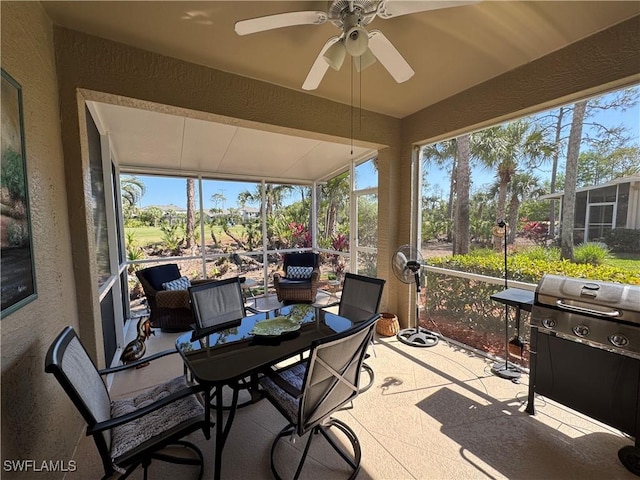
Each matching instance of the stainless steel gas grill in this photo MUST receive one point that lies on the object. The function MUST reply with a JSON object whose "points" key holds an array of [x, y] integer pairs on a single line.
{"points": [[585, 352]]}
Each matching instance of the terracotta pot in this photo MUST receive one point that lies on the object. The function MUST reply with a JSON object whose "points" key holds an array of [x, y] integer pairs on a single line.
{"points": [[387, 325]]}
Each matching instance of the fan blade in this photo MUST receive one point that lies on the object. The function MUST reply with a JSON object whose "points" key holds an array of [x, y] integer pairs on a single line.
{"points": [[319, 67], [270, 22], [395, 8], [401, 266], [389, 57]]}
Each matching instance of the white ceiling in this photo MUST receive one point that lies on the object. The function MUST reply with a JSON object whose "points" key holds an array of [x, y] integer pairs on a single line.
{"points": [[450, 49], [149, 141]]}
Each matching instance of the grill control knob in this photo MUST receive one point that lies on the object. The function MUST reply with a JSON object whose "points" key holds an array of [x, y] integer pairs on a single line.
{"points": [[619, 340], [581, 330], [548, 322]]}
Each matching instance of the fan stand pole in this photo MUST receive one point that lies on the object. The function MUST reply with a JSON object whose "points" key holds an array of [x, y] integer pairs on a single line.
{"points": [[506, 370], [417, 337]]}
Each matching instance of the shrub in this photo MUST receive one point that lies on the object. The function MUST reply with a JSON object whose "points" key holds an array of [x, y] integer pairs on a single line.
{"points": [[535, 231], [465, 303], [525, 269], [593, 253], [623, 240], [542, 254], [300, 235], [171, 236]]}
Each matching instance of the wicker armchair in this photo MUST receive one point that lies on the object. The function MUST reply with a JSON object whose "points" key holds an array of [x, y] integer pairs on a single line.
{"points": [[170, 309], [292, 288]]}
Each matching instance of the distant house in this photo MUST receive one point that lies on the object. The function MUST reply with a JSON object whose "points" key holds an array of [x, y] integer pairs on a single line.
{"points": [[249, 213], [600, 208]]}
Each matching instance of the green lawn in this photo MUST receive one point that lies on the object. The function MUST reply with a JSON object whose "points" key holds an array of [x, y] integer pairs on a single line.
{"points": [[144, 236], [627, 261]]}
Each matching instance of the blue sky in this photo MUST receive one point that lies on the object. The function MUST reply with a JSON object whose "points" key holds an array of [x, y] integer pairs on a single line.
{"points": [[166, 191], [438, 180]]}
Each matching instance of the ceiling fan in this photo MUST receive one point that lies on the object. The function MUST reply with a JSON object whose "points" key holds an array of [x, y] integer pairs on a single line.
{"points": [[351, 17]]}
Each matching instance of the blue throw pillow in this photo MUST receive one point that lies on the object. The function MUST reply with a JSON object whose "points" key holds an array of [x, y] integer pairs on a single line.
{"points": [[181, 283], [299, 273]]}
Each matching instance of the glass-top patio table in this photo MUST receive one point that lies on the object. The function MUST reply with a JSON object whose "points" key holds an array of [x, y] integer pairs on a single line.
{"points": [[245, 348]]}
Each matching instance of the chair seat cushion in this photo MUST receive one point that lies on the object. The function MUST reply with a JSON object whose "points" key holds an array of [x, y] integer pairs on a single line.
{"points": [[294, 283], [130, 435], [293, 376]]}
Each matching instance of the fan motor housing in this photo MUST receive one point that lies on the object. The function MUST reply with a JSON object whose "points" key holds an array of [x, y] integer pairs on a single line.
{"points": [[364, 11]]}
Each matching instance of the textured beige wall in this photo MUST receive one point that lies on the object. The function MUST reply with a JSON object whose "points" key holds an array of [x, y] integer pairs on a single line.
{"points": [[38, 420]]}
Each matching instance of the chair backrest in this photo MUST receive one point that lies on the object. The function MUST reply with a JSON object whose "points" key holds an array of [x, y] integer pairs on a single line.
{"points": [[360, 297], [156, 276], [333, 374], [305, 259], [70, 363], [217, 304]]}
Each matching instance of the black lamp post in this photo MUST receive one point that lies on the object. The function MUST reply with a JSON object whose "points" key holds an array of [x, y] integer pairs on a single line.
{"points": [[506, 370]]}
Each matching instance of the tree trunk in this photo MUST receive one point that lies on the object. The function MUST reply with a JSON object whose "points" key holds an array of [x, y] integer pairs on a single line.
{"points": [[213, 237], [554, 170], [238, 241], [452, 191], [514, 206], [463, 174], [571, 170], [500, 210], [191, 209]]}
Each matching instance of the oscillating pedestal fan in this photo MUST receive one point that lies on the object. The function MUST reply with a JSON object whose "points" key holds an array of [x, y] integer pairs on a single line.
{"points": [[406, 262]]}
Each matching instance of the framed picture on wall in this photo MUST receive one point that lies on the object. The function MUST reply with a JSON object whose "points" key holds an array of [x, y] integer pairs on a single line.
{"points": [[18, 282]]}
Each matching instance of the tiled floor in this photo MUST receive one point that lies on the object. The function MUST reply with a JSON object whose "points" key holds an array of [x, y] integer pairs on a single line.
{"points": [[433, 413]]}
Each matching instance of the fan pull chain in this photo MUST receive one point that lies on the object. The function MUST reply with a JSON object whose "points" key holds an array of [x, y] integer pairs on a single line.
{"points": [[351, 106], [360, 101]]}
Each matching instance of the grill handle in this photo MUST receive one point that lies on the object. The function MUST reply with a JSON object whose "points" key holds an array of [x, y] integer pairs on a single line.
{"points": [[565, 306]]}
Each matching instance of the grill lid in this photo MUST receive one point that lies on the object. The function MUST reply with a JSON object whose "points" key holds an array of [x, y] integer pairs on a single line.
{"points": [[615, 301]]}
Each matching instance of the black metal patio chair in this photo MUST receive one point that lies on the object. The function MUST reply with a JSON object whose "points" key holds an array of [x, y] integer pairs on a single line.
{"points": [[128, 432], [359, 301], [308, 392]]}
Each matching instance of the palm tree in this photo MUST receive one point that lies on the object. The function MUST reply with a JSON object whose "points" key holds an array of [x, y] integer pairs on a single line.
{"points": [[218, 200], [336, 195], [571, 174], [507, 148], [274, 195], [132, 189], [191, 208], [462, 182], [443, 154]]}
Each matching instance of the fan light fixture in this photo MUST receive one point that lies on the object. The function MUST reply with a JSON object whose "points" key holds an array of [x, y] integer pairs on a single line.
{"points": [[356, 41], [351, 16], [335, 54], [365, 60]]}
